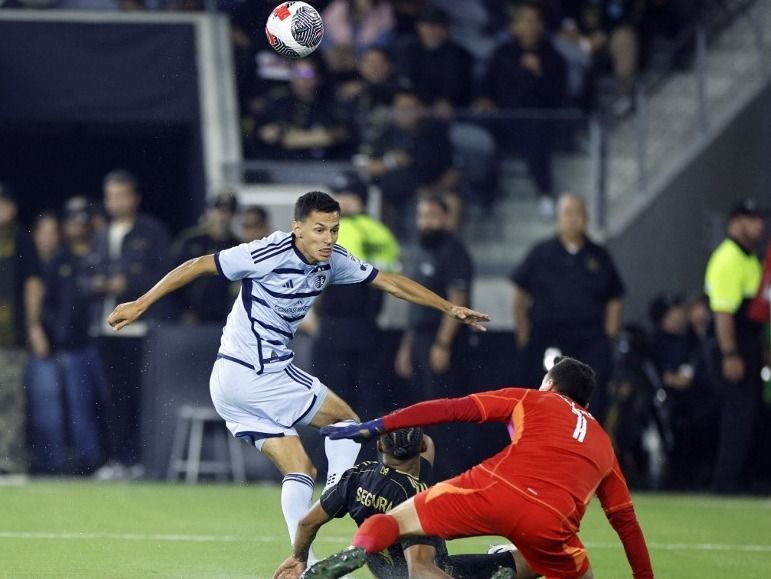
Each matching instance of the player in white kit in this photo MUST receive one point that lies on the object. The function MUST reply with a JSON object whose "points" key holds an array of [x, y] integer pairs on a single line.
{"points": [[255, 387]]}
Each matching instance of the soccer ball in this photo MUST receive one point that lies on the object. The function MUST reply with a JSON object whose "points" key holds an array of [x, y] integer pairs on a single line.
{"points": [[294, 29]]}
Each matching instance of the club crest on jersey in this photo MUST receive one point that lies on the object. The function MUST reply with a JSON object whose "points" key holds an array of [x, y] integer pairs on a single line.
{"points": [[320, 281]]}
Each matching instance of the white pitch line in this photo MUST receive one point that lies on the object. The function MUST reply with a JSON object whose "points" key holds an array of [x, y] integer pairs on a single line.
{"points": [[333, 539], [688, 547]]}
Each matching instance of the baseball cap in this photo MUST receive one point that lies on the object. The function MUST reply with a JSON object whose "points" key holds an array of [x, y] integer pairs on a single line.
{"points": [[77, 209], [349, 182], [662, 303], [224, 200], [434, 15], [748, 208]]}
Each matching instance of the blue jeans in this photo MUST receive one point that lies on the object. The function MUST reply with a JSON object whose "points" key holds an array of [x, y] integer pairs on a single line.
{"points": [[47, 433], [84, 386], [63, 394]]}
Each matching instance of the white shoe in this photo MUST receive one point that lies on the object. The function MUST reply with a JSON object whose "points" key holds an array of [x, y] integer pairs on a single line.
{"points": [[502, 548]]}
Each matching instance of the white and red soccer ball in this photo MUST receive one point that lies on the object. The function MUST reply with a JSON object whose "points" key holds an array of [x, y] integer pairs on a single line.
{"points": [[294, 29]]}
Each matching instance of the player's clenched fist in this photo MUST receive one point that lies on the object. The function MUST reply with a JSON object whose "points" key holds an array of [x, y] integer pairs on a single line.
{"points": [[124, 314]]}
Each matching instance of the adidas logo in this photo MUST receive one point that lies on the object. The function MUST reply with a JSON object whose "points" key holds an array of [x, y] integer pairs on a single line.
{"points": [[288, 284]]}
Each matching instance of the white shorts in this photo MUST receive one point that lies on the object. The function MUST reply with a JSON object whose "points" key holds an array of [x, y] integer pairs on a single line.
{"points": [[259, 406]]}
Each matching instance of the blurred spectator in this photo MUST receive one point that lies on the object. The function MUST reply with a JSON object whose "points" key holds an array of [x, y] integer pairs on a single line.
{"points": [[307, 123], [255, 224], [47, 236], [259, 69], [405, 14], [568, 296], [607, 28], [370, 94], [350, 312], [412, 157], [66, 317], [433, 351], [21, 297], [760, 307], [46, 429], [689, 397], [207, 300], [732, 279], [670, 345], [471, 24], [352, 26], [526, 73], [438, 67], [126, 259]]}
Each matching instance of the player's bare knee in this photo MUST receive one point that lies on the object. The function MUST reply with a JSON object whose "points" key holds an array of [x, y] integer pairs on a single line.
{"points": [[334, 409]]}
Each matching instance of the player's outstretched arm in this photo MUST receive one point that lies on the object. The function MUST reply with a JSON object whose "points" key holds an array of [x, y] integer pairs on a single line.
{"points": [[426, 413], [129, 312], [613, 493], [310, 524], [409, 290]]}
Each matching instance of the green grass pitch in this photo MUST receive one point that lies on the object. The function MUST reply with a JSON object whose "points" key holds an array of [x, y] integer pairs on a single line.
{"points": [[84, 529]]}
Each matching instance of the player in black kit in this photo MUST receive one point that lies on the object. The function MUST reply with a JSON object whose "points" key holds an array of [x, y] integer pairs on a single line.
{"points": [[372, 487]]}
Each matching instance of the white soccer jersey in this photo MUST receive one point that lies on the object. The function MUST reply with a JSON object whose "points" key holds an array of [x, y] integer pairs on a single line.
{"points": [[278, 287]]}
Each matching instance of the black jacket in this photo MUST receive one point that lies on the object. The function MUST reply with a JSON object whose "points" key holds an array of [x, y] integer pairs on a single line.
{"points": [[143, 260], [510, 85]]}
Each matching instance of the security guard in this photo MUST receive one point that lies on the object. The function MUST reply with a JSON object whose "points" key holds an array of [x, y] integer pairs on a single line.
{"points": [[433, 342], [349, 361], [732, 279], [568, 296]]}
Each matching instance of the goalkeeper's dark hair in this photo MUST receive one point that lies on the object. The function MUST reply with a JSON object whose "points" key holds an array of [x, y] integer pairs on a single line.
{"points": [[314, 201], [574, 379], [404, 443]]}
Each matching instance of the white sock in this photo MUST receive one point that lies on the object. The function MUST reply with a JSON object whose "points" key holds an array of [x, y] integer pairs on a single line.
{"points": [[296, 496], [341, 455]]}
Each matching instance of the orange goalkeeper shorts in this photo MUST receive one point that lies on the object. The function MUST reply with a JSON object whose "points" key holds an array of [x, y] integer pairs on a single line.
{"points": [[474, 504]]}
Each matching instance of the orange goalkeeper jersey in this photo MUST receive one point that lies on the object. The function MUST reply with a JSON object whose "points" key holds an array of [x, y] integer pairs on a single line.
{"points": [[559, 454]]}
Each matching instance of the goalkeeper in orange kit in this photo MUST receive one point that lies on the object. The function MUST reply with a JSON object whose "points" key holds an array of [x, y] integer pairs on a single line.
{"points": [[534, 492]]}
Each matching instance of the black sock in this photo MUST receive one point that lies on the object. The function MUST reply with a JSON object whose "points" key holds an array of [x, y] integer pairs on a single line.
{"points": [[479, 566]]}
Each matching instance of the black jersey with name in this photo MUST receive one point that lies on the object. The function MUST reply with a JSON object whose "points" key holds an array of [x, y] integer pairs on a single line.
{"points": [[370, 488]]}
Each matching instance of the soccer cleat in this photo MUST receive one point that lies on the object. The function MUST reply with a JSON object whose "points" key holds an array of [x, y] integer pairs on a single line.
{"points": [[502, 548], [338, 564], [504, 573]]}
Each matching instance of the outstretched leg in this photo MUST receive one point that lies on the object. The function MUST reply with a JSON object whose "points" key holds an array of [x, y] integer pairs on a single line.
{"points": [[341, 454], [290, 458]]}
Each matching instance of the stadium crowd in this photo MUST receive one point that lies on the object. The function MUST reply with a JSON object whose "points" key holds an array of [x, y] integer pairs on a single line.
{"points": [[494, 78], [66, 374]]}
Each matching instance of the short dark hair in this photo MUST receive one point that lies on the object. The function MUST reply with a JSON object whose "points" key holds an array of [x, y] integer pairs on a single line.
{"points": [[404, 443], [574, 379], [314, 201], [258, 211], [121, 176]]}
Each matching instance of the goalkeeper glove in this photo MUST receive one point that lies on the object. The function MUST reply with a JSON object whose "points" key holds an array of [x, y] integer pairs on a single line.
{"points": [[356, 431]]}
